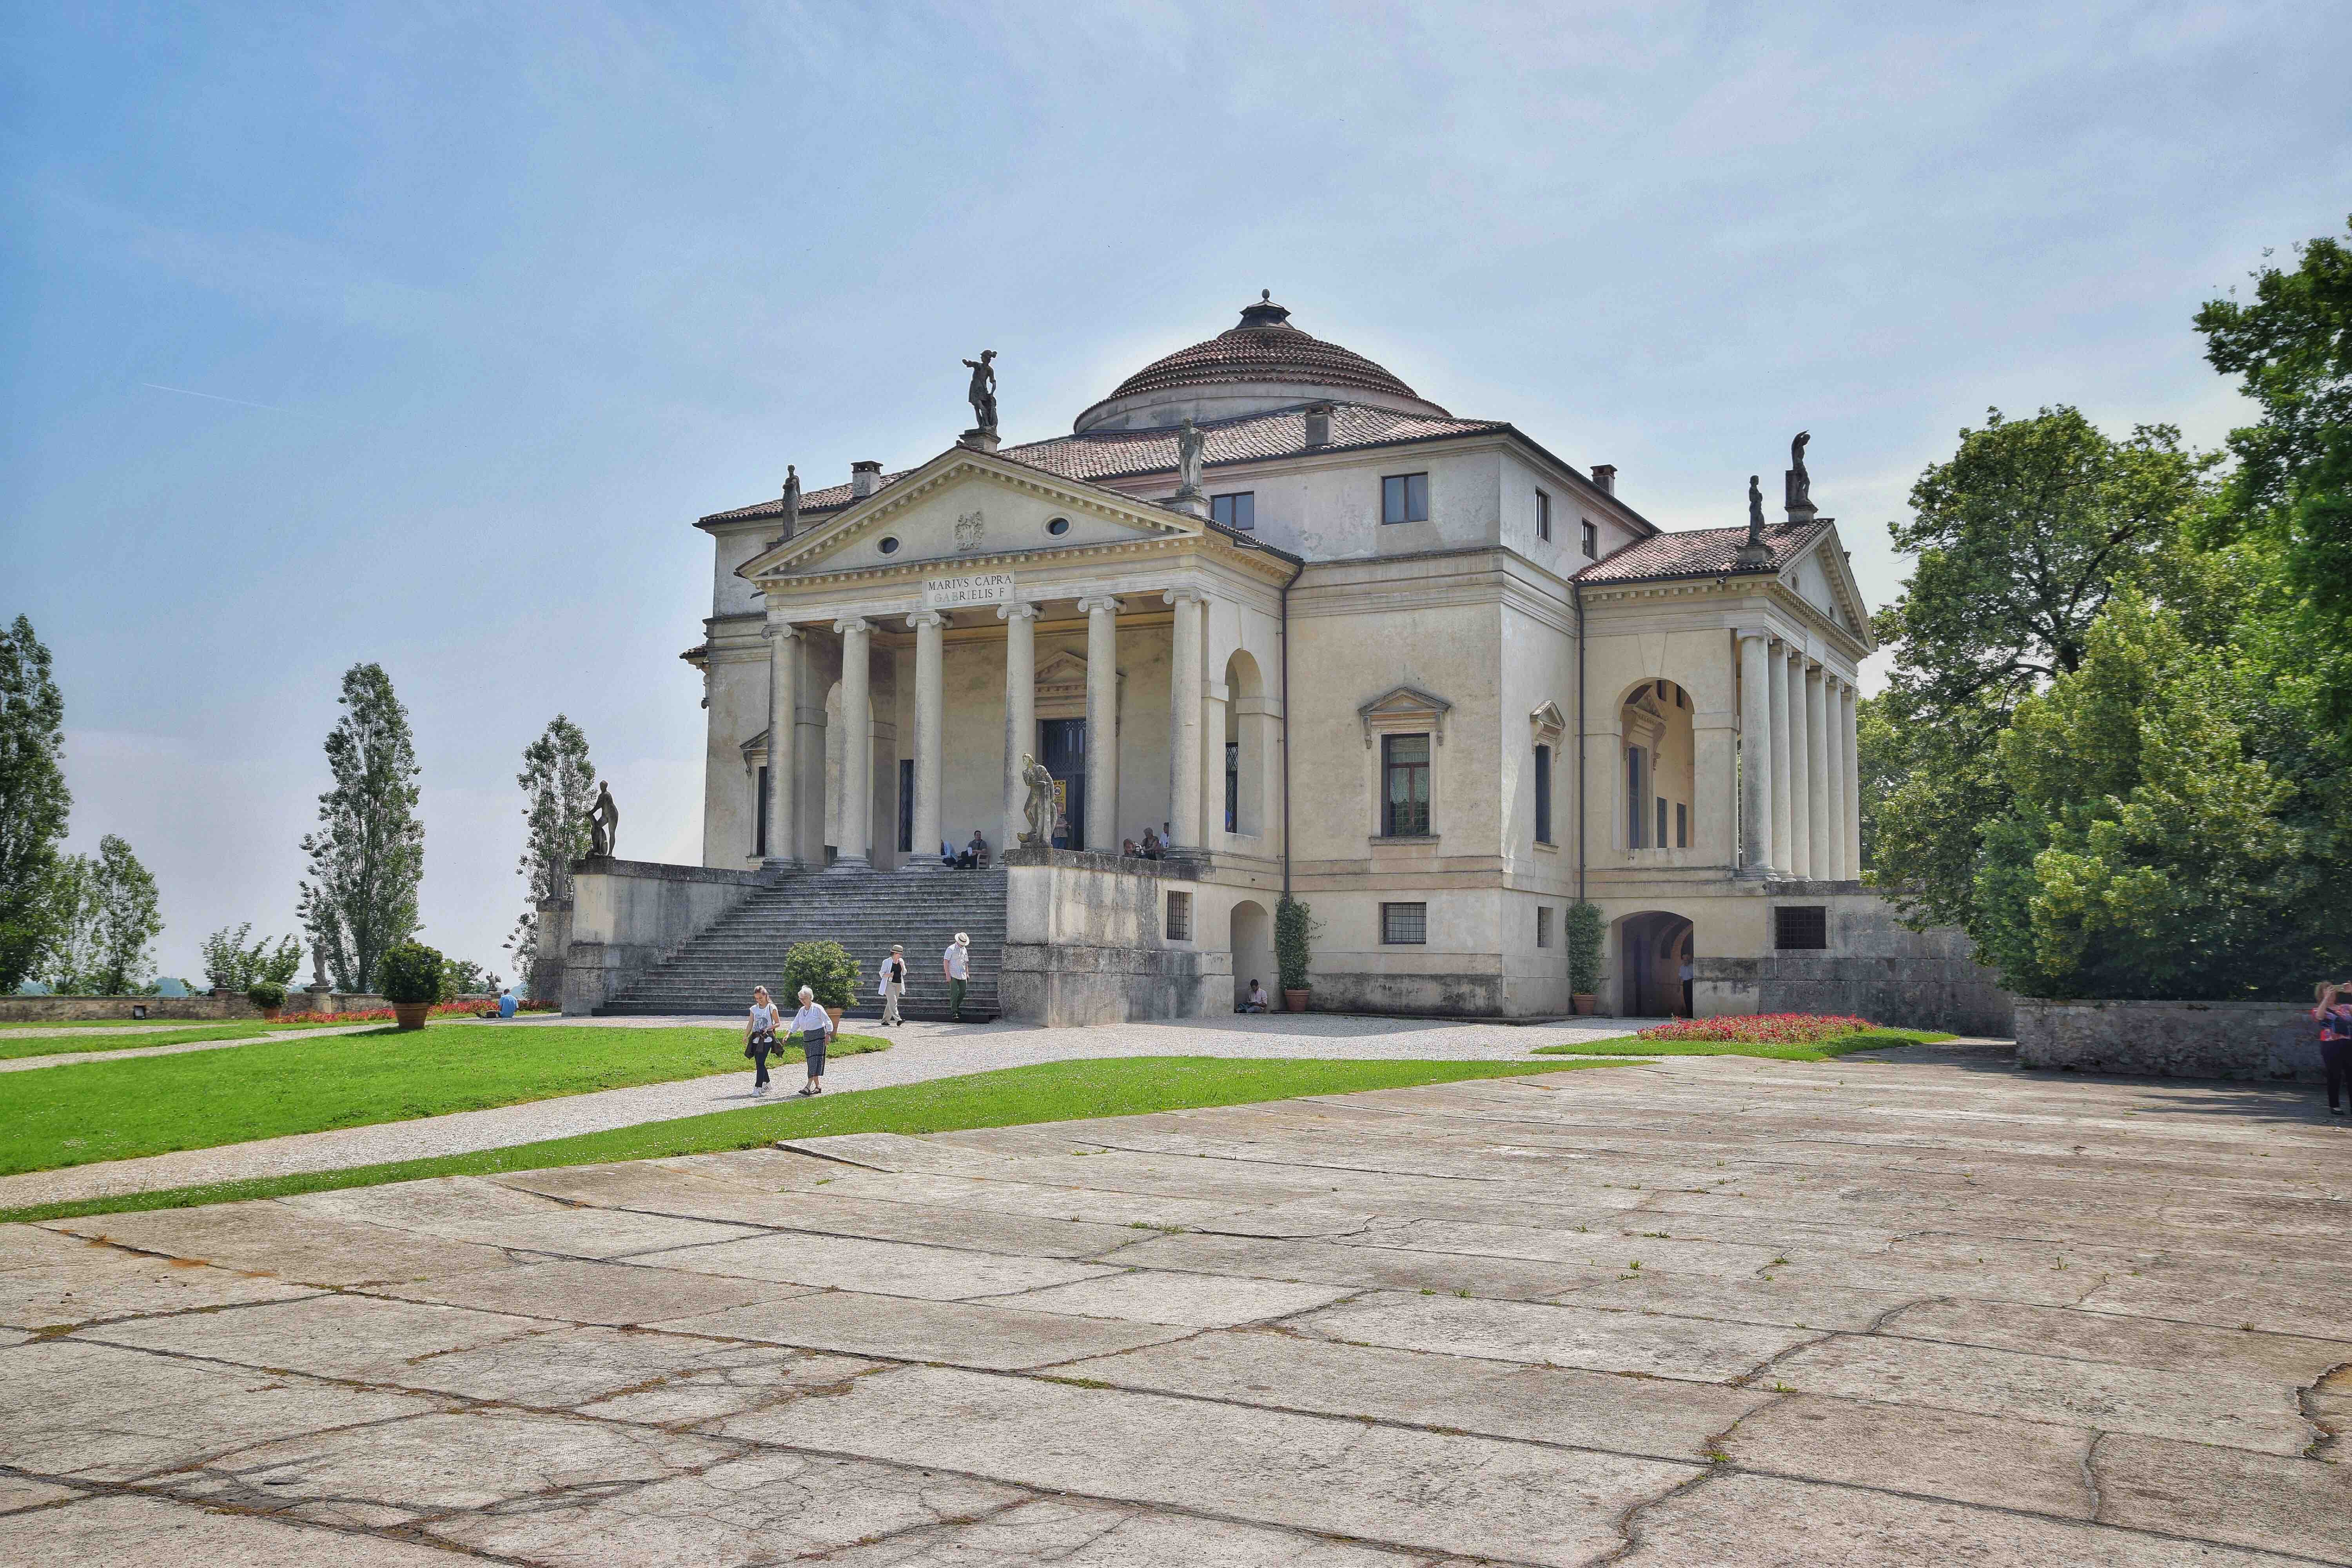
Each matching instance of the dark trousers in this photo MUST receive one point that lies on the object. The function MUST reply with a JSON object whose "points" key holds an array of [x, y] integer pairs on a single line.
{"points": [[759, 1048], [2335, 1056], [955, 999]]}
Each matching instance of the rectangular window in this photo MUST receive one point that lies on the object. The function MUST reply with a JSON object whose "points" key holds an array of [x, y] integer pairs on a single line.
{"points": [[1662, 821], [759, 832], [1543, 795], [1404, 498], [1682, 826], [1233, 787], [1404, 787], [1543, 515], [1543, 926], [1800, 925], [1591, 542], [1180, 917], [907, 808], [1238, 511], [1404, 925], [1637, 791]]}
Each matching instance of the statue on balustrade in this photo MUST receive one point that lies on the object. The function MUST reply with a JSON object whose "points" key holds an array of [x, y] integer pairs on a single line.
{"points": [[1040, 807], [603, 824]]}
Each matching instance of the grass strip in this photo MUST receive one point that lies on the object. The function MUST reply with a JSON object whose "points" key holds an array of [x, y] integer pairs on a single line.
{"points": [[1008, 1097], [78, 1113], [1817, 1051], [195, 1034]]}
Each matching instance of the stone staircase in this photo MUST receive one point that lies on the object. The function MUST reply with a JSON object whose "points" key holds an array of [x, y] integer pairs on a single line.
{"points": [[865, 911]]}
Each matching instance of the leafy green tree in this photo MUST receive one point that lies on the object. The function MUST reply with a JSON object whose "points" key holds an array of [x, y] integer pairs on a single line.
{"points": [[368, 856], [463, 977], [233, 964], [34, 802], [2020, 541], [558, 785], [108, 914], [2293, 486]]}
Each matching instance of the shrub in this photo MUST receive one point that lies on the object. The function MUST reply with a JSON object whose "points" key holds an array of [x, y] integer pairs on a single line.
{"points": [[410, 972], [825, 968], [1294, 943], [1584, 948], [1762, 1028], [265, 995]]}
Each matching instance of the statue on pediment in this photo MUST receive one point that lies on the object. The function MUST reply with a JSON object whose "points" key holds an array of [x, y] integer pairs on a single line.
{"points": [[1801, 483], [791, 499], [1191, 449], [981, 395]]}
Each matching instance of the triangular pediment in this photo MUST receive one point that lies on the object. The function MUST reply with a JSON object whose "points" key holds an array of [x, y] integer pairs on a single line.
{"points": [[965, 506], [1405, 708], [1822, 576]]}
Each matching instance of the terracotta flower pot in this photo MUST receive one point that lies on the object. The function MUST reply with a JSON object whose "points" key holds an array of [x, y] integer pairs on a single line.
{"points": [[272, 1014], [1583, 1001], [834, 1013], [1294, 1000], [411, 1015]]}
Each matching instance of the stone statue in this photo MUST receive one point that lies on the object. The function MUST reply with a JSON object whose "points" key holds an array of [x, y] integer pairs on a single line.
{"points": [[1191, 447], [1040, 808], [604, 823], [1755, 510], [982, 393], [791, 499], [1801, 483], [318, 969]]}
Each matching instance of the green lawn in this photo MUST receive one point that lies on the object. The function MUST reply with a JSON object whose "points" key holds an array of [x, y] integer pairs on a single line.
{"points": [[76, 1113], [1818, 1051], [1053, 1091], [117, 1039]]}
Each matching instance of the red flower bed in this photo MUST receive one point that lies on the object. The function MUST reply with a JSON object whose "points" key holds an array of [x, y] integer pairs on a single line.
{"points": [[1761, 1029], [474, 1008]]}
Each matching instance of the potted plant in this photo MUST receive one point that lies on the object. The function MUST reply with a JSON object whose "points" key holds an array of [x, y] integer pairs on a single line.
{"points": [[267, 995], [1583, 956], [827, 970], [409, 976], [1294, 948]]}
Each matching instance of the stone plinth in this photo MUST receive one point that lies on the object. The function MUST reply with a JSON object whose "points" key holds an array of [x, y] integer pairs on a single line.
{"points": [[1084, 942]]}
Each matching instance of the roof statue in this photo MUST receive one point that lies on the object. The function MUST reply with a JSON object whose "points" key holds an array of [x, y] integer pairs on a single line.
{"points": [[791, 503], [1192, 447], [1755, 554], [981, 395], [1801, 483]]}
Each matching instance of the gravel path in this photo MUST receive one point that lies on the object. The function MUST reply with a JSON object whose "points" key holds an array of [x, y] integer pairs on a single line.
{"points": [[24, 1064], [919, 1051]]}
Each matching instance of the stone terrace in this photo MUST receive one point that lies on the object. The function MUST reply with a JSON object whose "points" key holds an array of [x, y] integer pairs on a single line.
{"points": [[1700, 1312]]}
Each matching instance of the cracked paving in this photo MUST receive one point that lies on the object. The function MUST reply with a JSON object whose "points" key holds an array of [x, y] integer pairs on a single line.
{"points": [[1697, 1311]]}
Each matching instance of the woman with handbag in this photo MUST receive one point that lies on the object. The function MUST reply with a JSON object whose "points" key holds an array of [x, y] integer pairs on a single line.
{"points": [[813, 1024], [760, 1037]]}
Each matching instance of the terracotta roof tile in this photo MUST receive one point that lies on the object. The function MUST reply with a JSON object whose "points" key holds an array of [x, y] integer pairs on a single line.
{"points": [[1699, 552]]}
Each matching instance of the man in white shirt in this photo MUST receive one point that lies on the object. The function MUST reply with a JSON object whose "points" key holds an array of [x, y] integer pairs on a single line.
{"points": [[957, 964], [813, 1024]]}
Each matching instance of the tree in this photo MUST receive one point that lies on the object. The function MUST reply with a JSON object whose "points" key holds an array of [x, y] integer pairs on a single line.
{"points": [[2293, 486], [232, 965], [558, 785], [34, 802], [368, 856], [463, 977], [107, 916], [2021, 540]]}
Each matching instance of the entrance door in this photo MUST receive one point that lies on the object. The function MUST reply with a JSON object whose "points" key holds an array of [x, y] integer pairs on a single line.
{"points": [[1062, 747]]}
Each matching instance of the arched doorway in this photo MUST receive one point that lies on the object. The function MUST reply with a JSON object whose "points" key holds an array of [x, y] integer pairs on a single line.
{"points": [[1652, 948], [1251, 939]]}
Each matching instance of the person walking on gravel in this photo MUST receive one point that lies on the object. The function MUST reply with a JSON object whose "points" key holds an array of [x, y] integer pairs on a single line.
{"points": [[813, 1024], [2335, 1019], [760, 1037], [957, 964], [893, 982]]}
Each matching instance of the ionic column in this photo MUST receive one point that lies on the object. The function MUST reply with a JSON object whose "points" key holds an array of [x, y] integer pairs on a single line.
{"points": [[1776, 849], [856, 743], [1850, 765], [1800, 772], [1184, 697], [1020, 714], [1756, 749], [1102, 718], [931, 698], [1829, 798], [783, 845]]}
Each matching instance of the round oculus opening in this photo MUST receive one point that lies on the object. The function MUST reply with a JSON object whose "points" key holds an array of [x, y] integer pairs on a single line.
{"points": [[887, 544], [1058, 526]]}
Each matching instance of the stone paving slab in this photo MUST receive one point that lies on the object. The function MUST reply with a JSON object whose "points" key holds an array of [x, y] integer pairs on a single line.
{"points": [[1886, 1314]]}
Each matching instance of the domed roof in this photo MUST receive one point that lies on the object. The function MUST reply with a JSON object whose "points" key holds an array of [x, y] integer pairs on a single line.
{"points": [[1265, 350]]}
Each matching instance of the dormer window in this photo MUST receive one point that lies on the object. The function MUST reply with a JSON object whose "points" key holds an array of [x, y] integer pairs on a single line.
{"points": [[1591, 541]]}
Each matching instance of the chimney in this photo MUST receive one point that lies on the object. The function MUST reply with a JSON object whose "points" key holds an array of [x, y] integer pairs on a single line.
{"points": [[1605, 476], [1318, 424], [865, 478]]}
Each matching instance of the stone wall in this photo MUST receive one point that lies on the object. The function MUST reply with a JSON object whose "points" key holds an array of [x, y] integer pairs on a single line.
{"points": [[2170, 1039], [1874, 968], [1084, 942], [627, 915], [76, 1009]]}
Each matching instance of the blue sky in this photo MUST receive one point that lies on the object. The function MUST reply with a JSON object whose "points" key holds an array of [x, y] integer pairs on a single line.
{"points": [[421, 334]]}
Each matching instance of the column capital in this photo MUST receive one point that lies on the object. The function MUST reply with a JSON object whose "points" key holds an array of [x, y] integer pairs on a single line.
{"points": [[780, 629], [1093, 602], [853, 624], [922, 618], [1183, 595], [1754, 634], [1016, 612]]}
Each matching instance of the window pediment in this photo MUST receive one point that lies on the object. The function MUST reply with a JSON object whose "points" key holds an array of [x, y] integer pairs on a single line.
{"points": [[1547, 721], [1405, 710]]}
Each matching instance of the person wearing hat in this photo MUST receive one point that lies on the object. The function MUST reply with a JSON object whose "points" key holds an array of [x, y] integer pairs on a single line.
{"points": [[956, 962], [893, 984]]}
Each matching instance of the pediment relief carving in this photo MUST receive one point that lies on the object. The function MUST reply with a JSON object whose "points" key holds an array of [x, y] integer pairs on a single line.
{"points": [[1406, 709]]}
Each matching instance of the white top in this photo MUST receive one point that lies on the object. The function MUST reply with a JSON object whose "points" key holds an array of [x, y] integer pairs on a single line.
{"points": [[812, 1019], [958, 961], [764, 1017]]}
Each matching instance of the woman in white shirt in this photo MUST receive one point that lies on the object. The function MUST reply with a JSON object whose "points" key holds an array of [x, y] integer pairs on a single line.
{"points": [[813, 1024], [759, 1035]]}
